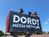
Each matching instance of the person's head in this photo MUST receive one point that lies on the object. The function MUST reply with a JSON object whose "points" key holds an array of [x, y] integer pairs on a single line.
{"points": [[30, 13], [35, 13], [21, 10]]}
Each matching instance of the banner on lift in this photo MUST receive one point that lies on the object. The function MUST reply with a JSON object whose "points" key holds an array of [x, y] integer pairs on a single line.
{"points": [[24, 23]]}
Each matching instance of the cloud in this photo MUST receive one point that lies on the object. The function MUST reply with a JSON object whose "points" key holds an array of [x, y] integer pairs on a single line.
{"points": [[47, 21], [45, 26]]}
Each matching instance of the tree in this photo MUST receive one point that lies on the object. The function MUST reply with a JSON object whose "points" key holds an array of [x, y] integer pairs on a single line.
{"points": [[1, 33], [48, 32]]}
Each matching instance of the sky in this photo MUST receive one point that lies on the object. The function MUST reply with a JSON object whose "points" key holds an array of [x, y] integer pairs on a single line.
{"points": [[41, 6]]}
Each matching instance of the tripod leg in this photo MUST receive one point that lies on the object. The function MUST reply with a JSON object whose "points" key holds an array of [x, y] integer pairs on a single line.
{"points": [[28, 35], [15, 35]]}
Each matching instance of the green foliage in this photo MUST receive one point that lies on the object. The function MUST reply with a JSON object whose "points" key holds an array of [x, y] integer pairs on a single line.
{"points": [[39, 32], [21, 33], [48, 32], [1, 33]]}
